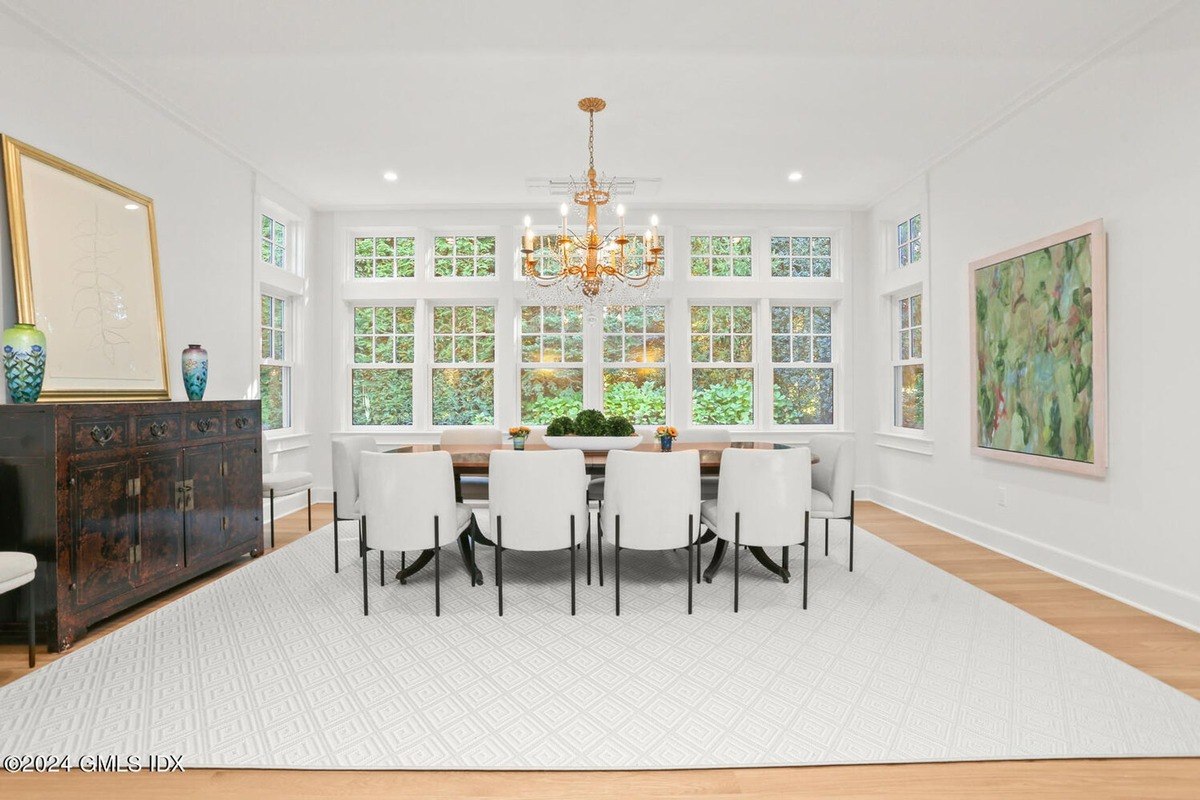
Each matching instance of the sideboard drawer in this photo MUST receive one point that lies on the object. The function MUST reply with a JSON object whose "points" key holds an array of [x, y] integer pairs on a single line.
{"points": [[205, 424], [157, 428], [243, 421], [99, 433]]}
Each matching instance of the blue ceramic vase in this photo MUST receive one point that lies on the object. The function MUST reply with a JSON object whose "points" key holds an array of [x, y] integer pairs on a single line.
{"points": [[24, 362], [665, 442], [195, 371]]}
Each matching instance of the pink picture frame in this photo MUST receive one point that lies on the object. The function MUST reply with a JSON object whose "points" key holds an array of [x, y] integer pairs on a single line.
{"points": [[1097, 249]]}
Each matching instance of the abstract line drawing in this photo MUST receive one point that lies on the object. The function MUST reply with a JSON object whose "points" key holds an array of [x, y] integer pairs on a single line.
{"points": [[99, 302]]}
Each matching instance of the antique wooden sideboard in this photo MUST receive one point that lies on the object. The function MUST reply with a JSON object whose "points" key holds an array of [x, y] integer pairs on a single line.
{"points": [[122, 501]]}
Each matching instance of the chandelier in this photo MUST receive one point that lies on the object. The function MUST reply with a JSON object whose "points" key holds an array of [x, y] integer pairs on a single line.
{"points": [[593, 267]]}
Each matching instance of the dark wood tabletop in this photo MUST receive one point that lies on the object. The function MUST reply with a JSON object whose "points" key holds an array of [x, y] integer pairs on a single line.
{"points": [[472, 459]]}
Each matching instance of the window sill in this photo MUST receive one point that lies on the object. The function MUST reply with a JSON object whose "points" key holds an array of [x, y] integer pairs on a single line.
{"points": [[284, 441], [908, 442]]}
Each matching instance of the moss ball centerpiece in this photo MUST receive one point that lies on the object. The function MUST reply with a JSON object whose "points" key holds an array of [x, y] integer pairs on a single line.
{"points": [[591, 430]]}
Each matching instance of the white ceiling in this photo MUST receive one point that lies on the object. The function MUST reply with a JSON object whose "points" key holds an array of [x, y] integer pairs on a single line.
{"points": [[465, 99]]}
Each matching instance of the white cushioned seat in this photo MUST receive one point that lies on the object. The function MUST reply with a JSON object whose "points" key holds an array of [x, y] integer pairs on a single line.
{"points": [[462, 516], [822, 504], [16, 569], [286, 482], [708, 513]]}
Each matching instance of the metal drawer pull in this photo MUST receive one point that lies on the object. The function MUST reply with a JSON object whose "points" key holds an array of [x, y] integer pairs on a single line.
{"points": [[241, 422], [158, 429], [204, 425], [103, 435]]}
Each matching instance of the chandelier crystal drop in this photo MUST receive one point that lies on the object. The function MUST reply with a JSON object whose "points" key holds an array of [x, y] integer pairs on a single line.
{"points": [[590, 267]]}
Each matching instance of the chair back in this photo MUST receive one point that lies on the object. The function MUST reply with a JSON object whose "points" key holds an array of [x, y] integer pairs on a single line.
{"points": [[771, 489], [535, 494], [347, 461], [472, 436], [654, 493], [401, 495], [833, 473], [715, 435]]}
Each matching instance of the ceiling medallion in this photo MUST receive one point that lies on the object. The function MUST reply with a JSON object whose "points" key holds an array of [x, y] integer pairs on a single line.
{"points": [[591, 268]]}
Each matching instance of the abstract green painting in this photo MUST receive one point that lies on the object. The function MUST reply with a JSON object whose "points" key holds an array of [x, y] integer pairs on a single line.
{"points": [[1039, 366]]}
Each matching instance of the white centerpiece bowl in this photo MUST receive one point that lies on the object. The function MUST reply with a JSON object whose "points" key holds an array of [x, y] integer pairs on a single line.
{"points": [[593, 444]]}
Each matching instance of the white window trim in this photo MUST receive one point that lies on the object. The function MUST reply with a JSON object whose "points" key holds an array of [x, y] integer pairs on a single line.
{"points": [[507, 292], [288, 284], [352, 365], [602, 365], [523, 365], [838, 332], [287, 363], [431, 365], [896, 360], [753, 364]]}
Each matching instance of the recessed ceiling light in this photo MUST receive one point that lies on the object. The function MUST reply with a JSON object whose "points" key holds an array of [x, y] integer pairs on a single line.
{"points": [[131, 206], [390, 176], [794, 176]]}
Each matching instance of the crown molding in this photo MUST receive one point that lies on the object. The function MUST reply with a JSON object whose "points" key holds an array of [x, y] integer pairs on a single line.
{"points": [[108, 69], [1128, 30]]}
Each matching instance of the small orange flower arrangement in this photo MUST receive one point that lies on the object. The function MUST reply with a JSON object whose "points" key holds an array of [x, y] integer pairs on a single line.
{"points": [[519, 430], [666, 430]]}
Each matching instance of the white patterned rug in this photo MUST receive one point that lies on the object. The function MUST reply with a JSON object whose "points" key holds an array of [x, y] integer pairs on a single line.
{"points": [[274, 665]]}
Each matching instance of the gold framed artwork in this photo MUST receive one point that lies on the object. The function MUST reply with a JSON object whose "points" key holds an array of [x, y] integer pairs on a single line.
{"points": [[85, 263]]}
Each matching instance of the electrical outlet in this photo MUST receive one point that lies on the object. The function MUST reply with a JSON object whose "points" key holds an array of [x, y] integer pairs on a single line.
{"points": [[1002, 497]]}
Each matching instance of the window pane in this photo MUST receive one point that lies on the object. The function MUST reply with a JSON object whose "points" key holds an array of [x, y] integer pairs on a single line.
{"points": [[803, 396], [463, 396], [910, 396], [274, 390], [721, 256], [723, 396], [638, 394], [550, 393], [382, 396]]}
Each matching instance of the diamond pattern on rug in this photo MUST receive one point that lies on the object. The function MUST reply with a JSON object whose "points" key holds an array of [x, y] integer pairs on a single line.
{"points": [[274, 665]]}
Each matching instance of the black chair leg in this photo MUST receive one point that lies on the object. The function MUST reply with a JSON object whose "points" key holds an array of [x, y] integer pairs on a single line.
{"points": [[437, 570], [335, 533], [737, 551], [362, 535], [826, 537], [310, 509], [32, 624], [499, 566], [806, 559], [272, 519], [786, 564], [600, 550], [852, 531], [381, 568], [699, 542], [572, 565], [688, 576], [617, 568], [589, 549]]}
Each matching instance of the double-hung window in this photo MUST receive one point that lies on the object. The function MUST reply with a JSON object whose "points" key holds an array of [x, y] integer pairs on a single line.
{"points": [[908, 364], [722, 345], [551, 363], [463, 369], [634, 355], [802, 363], [381, 381], [275, 365]]}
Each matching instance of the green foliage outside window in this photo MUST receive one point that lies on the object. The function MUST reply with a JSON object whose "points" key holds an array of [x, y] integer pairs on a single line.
{"points": [[382, 397], [463, 396], [271, 389], [639, 395], [723, 396]]}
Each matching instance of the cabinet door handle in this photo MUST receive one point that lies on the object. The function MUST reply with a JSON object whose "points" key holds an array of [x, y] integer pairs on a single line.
{"points": [[103, 435]]}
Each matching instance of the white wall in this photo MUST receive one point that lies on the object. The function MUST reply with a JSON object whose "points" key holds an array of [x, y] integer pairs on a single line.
{"points": [[1117, 141], [204, 201]]}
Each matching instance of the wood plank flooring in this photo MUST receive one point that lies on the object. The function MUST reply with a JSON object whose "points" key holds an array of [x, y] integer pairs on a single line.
{"points": [[1164, 650]]}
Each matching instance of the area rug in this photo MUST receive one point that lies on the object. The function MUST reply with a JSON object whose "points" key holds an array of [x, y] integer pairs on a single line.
{"points": [[275, 666]]}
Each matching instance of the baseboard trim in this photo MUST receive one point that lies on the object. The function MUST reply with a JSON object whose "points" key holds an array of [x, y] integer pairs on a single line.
{"points": [[292, 503], [1165, 602]]}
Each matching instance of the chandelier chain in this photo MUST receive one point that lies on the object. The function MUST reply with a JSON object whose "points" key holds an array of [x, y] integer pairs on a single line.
{"points": [[591, 141]]}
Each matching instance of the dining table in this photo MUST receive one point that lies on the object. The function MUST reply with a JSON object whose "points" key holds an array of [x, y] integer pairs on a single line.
{"points": [[473, 459]]}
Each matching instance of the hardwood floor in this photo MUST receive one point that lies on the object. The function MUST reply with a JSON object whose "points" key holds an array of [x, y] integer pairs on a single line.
{"points": [[1164, 650]]}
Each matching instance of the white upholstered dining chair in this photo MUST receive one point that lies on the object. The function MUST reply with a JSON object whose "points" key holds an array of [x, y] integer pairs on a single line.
{"points": [[474, 487], [708, 483], [763, 500], [652, 502], [407, 503], [347, 465], [17, 570], [833, 483], [538, 503]]}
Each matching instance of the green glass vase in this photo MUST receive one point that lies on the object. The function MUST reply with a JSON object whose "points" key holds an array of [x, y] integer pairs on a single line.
{"points": [[24, 362]]}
